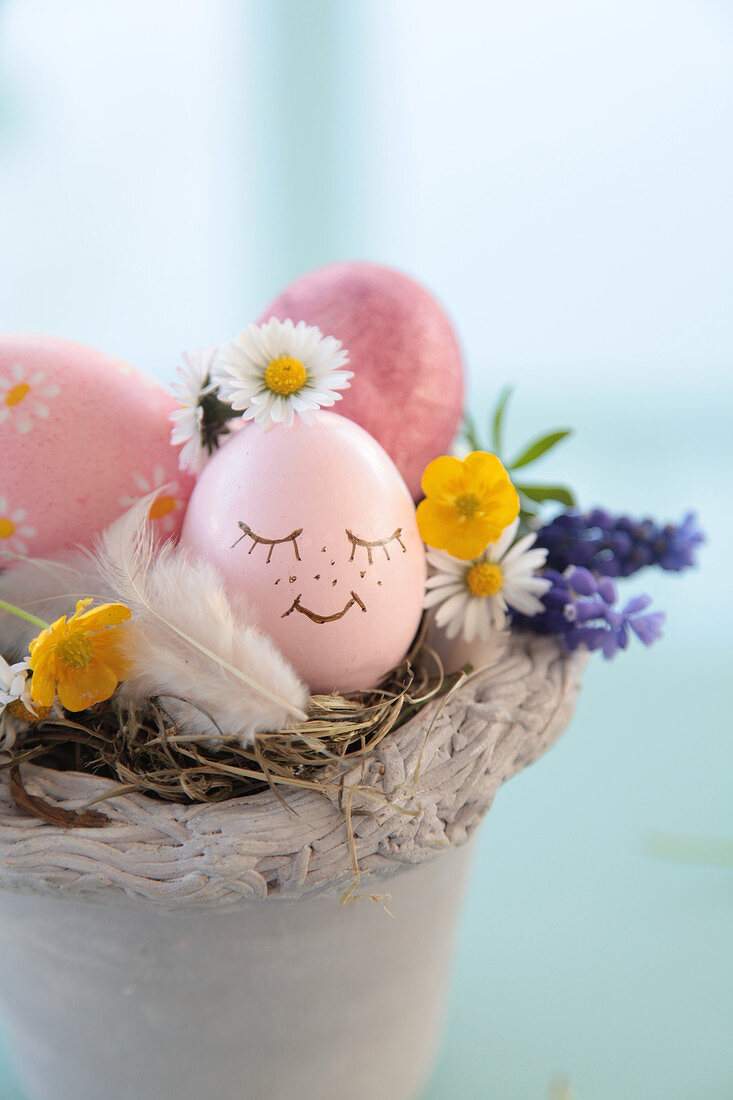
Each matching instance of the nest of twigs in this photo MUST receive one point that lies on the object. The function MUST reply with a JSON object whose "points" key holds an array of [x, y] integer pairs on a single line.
{"points": [[143, 750]]}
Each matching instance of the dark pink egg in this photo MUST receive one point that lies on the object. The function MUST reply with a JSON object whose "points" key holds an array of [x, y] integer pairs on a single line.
{"points": [[407, 389]]}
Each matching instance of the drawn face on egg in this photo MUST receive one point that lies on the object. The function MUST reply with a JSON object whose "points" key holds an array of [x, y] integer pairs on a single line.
{"points": [[314, 528], [370, 545]]}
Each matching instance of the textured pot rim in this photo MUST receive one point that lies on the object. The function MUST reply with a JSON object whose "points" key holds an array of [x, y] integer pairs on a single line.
{"points": [[180, 858]]}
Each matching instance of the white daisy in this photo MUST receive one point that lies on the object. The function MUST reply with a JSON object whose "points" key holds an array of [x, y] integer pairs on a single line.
{"points": [[14, 688], [476, 595], [25, 394], [271, 372], [188, 421], [13, 683], [166, 504], [13, 529]]}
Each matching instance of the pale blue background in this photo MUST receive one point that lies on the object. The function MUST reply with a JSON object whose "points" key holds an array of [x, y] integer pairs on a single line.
{"points": [[560, 173]]}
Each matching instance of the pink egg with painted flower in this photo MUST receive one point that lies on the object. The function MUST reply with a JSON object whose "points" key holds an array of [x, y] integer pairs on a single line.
{"points": [[314, 527], [82, 437]]}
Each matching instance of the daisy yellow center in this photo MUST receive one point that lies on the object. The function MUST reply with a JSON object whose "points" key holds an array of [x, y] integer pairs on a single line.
{"points": [[484, 579], [161, 506], [18, 709], [467, 504], [75, 651], [15, 395], [7, 527], [285, 375]]}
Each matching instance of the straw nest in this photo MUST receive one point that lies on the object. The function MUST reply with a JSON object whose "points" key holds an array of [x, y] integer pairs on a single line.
{"points": [[144, 751]]}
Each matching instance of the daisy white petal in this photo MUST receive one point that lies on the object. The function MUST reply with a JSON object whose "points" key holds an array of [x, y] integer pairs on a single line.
{"points": [[288, 413], [443, 580], [443, 562], [498, 610], [471, 620], [496, 550], [336, 380], [523, 601], [321, 399], [310, 406], [277, 370], [322, 393], [455, 625], [536, 558], [300, 402], [277, 410], [440, 595], [454, 605], [520, 550], [537, 585]]}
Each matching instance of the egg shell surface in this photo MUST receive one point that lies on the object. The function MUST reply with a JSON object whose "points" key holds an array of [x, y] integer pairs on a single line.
{"points": [[315, 529], [82, 437], [407, 389]]}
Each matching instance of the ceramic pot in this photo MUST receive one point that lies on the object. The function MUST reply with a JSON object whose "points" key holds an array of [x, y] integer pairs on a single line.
{"points": [[184, 951]]}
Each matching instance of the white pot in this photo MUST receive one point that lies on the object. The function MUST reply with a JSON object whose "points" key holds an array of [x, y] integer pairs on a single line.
{"points": [[185, 951]]}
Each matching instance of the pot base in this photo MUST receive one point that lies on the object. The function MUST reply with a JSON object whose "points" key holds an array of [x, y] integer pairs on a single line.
{"points": [[302, 998]]}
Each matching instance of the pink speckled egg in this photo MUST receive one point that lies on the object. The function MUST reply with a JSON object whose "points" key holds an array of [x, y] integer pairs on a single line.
{"points": [[407, 389], [315, 528], [82, 437]]}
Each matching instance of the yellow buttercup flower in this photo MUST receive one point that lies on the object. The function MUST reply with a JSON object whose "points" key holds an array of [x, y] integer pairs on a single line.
{"points": [[467, 504], [80, 660]]}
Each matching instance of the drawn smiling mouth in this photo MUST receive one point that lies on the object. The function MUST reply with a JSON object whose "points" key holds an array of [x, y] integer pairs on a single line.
{"points": [[315, 617]]}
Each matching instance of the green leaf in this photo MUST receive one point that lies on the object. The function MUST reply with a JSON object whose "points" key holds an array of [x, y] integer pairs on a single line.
{"points": [[540, 493], [538, 448], [497, 424], [470, 432]]}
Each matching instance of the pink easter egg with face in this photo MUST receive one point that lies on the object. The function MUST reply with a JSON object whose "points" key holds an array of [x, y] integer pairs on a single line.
{"points": [[407, 389], [82, 437], [315, 529]]}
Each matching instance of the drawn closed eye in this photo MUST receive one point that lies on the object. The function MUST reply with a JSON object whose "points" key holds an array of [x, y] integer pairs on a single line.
{"points": [[248, 533], [370, 544]]}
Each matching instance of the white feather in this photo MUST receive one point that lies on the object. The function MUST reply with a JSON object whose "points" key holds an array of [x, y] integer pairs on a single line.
{"points": [[192, 644], [47, 588]]}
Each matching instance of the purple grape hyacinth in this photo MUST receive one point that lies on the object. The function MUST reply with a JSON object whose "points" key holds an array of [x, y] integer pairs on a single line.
{"points": [[580, 608], [618, 546]]}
